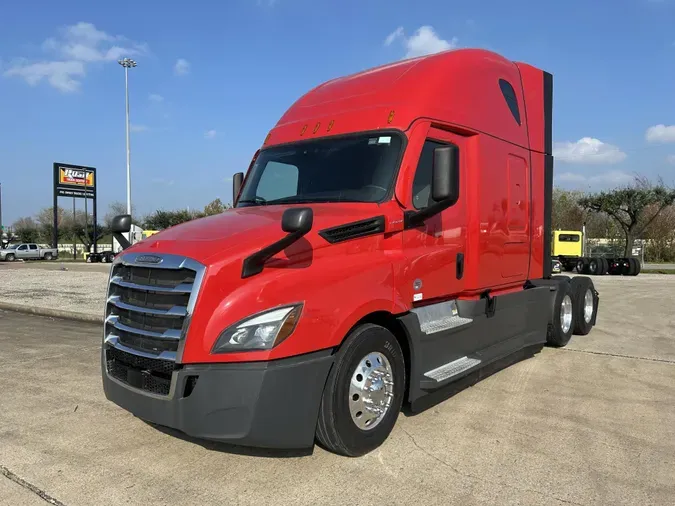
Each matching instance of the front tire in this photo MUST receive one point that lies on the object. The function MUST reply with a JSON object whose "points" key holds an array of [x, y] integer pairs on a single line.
{"points": [[364, 392], [10, 257]]}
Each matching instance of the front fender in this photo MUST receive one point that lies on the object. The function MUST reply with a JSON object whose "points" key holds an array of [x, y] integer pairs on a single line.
{"points": [[336, 292]]}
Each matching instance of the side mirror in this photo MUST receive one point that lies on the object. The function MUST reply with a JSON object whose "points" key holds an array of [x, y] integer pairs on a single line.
{"points": [[297, 220], [121, 224], [237, 179], [444, 186], [445, 174]]}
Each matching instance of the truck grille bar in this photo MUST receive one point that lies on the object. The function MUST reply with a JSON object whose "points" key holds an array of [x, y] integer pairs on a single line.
{"points": [[147, 316]]}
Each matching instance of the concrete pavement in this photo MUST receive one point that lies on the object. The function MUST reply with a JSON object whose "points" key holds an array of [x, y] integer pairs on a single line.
{"points": [[593, 423]]}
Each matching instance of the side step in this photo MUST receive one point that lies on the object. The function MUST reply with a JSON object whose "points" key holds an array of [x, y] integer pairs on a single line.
{"points": [[451, 369]]}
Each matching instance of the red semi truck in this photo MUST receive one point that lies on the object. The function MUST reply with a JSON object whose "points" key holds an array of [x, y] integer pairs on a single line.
{"points": [[389, 245]]}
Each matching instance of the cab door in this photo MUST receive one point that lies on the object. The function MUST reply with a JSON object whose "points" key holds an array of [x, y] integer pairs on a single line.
{"points": [[434, 250], [22, 251], [516, 252]]}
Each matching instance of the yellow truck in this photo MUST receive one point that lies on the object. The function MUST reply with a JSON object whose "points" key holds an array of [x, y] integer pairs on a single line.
{"points": [[568, 248]]}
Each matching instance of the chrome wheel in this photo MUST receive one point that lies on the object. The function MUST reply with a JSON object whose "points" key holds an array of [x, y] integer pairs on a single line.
{"points": [[566, 314], [371, 390], [588, 306]]}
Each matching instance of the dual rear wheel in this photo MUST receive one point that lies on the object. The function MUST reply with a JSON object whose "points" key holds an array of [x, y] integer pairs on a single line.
{"points": [[574, 310]]}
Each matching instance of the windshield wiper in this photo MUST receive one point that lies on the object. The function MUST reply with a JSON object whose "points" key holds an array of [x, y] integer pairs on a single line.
{"points": [[257, 200], [301, 200]]}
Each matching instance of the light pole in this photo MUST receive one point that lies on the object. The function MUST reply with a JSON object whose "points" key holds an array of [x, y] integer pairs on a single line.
{"points": [[127, 63]]}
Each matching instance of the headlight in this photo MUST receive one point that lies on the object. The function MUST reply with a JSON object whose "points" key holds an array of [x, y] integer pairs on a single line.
{"points": [[261, 331]]}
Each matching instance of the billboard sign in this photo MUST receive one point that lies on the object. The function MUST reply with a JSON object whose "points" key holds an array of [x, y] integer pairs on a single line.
{"points": [[78, 182], [74, 181]]}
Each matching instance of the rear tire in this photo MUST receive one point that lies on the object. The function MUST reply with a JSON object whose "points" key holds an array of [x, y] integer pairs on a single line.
{"points": [[604, 266], [594, 266], [342, 407], [562, 322], [585, 305], [48, 256], [633, 267], [582, 266]]}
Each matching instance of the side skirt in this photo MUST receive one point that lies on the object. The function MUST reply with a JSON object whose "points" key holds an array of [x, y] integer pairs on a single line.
{"points": [[454, 387], [456, 339]]}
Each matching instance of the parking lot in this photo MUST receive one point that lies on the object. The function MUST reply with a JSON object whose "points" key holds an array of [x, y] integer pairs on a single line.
{"points": [[593, 423]]}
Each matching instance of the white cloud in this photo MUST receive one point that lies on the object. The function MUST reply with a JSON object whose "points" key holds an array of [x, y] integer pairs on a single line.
{"points": [[76, 47], [138, 128], [62, 75], [181, 67], [393, 36], [423, 42], [670, 159], [589, 151], [612, 177], [154, 97], [210, 134], [660, 133]]}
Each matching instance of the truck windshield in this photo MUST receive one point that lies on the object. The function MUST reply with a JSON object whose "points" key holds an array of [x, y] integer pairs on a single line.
{"points": [[348, 169]]}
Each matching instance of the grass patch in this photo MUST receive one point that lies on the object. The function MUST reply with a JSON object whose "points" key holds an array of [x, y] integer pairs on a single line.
{"points": [[657, 271]]}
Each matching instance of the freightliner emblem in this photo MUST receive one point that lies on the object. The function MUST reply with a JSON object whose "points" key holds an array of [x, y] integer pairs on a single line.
{"points": [[148, 259]]}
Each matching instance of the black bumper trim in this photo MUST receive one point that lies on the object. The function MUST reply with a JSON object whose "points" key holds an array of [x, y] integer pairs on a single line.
{"points": [[262, 404]]}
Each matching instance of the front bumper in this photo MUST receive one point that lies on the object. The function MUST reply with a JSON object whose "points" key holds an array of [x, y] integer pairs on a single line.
{"points": [[264, 404]]}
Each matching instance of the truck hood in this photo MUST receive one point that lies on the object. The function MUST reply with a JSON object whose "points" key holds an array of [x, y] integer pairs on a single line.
{"points": [[242, 231]]}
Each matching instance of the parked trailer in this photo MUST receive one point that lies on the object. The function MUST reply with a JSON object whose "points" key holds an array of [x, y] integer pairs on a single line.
{"points": [[568, 249], [385, 248]]}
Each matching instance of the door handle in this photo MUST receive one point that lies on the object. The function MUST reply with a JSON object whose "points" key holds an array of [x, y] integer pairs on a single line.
{"points": [[459, 265]]}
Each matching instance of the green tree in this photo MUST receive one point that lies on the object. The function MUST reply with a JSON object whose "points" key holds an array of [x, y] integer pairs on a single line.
{"points": [[26, 230], [660, 236], [215, 207], [633, 208], [567, 214], [45, 222], [80, 228], [160, 219]]}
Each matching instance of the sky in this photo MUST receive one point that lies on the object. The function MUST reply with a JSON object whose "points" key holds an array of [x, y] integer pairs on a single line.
{"points": [[214, 77]]}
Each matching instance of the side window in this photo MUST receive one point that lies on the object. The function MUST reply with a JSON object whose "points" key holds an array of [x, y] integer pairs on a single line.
{"points": [[23, 247], [511, 99], [421, 194], [32, 246], [278, 180], [568, 238]]}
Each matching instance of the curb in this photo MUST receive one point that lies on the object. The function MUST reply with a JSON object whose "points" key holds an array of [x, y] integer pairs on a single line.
{"points": [[54, 313]]}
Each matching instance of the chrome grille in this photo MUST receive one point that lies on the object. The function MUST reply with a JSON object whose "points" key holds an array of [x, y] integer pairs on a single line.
{"points": [[147, 317]]}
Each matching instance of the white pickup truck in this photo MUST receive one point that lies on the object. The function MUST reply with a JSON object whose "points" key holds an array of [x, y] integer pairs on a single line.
{"points": [[27, 251]]}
